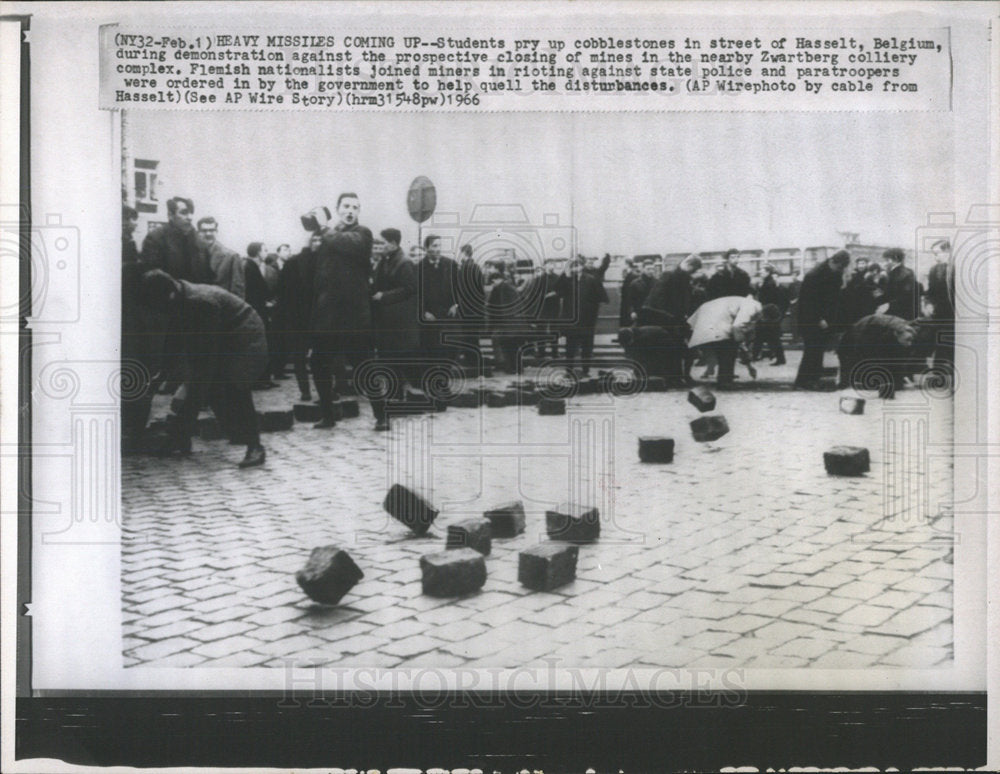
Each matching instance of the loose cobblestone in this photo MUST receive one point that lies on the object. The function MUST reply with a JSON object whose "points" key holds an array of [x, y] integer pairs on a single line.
{"points": [[738, 553]]}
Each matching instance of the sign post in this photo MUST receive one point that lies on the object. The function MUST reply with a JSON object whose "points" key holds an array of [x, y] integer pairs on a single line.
{"points": [[421, 200]]}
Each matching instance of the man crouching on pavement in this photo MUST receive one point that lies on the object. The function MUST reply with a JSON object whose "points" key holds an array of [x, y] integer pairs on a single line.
{"points": [[224, 342], [880, 351]]}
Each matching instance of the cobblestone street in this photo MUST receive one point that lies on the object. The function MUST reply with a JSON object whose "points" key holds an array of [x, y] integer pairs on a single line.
{"points": [[741, 552]]}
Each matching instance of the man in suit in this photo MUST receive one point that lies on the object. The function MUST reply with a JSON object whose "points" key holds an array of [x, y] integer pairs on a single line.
{"points": [[901, 286], [817, 315], [729, 280], [395, 311], [582, 293], [471, 297], [941, 297], [625, 309], [637, 292], [769, 331], [340, 310], [438, 280]]}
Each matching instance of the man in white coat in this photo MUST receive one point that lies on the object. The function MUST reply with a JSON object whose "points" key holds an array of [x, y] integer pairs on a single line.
{"points": [[722, 326]]}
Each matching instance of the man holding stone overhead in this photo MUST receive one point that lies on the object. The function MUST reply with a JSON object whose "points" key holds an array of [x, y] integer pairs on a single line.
{"points": [[340, 309]]}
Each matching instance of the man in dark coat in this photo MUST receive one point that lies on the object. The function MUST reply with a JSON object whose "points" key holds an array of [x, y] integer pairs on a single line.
{"points": [[226, 265], [769, 330], [340, 313], [817, 315], [471, 297], [729, 280], [582, 294], [901, 286], [223, 340], [292, 311], [141, 342], [395, 309], [669, 304], [638, 291], [879, 351], [502, 312], [130, 221], [856, 299], [175, 247], [438, 281], [625, 310], [941, 297]]}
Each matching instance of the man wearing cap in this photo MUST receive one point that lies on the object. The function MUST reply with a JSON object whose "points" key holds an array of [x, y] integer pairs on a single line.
{"points": [[817, 314]]}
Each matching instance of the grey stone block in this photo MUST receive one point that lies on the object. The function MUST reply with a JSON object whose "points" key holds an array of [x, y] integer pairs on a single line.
{"points": [[573, 523], [852, 405], [497, 399], [467, 399], [547, 566], [348, 408], [409, 508], [307, 412], [549, 407], [709, 428], [702, 399], [507, 520], [328, 575], [476, 534], [656, 384], [273, 421], [653, 449], [452, 573], [847, 461]]}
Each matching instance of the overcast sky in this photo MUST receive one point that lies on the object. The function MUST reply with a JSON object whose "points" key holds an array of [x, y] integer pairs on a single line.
{"points": [[626, 183]]}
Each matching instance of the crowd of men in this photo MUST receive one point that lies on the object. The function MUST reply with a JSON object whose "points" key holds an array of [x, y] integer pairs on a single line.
{"points": [[210, 325], [880, 320]]}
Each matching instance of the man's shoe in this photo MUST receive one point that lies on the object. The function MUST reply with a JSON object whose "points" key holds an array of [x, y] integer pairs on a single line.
{"points": [[779, 362], [325, 424], [305, 397], [254, 457], [382, 425]]}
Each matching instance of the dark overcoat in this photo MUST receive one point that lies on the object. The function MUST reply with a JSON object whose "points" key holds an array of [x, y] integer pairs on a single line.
{"points": [[221, 335], [340, 307], [397, 313], [180, 254]]}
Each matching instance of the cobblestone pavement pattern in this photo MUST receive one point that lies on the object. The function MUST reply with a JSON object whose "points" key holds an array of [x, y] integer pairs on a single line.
{"points": [[742, 552]]}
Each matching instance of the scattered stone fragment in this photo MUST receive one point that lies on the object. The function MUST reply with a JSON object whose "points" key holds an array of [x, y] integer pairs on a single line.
{"points": [[547, 566], [506, 520], [452, 573], [307, 412], [709, 428], [847, 461], [348, 408], [588, 386], [472, 533], [653, 449], [573, 523], [656, 384], [548, 407], [852, 405], [409, 508], [328, 575], [702, 399], [467, 399]]}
